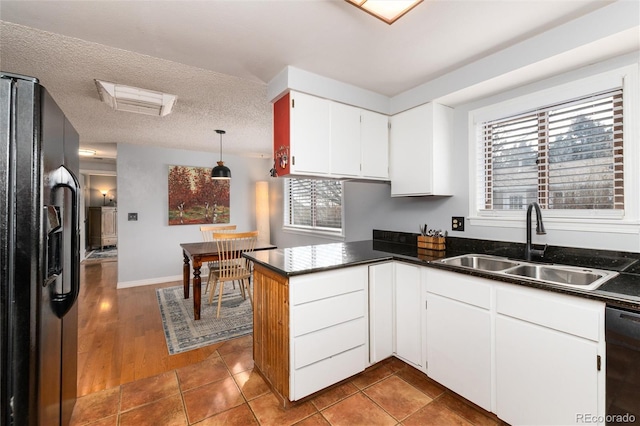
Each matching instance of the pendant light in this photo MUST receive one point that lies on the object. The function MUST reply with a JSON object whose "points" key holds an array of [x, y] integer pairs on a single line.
{"points": [[220, 171]]}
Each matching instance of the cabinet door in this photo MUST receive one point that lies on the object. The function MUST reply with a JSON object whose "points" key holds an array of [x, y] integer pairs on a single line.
{"points": [[410, 152], [374, 139], [543, 376], [109, 223], [459, 348], [310, 124], [95, 227], [409, 307], [345, 140], [381, 318]]}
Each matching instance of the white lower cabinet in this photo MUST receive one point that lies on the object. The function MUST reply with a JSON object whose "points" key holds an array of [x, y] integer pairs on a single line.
{"points": [[328, 325], [381, 312], [396, 313], [459, 334], [409, 308], [549, 351], [531, 356]]}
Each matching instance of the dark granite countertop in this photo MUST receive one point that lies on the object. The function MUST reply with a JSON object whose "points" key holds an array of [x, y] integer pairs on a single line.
{"points": [[622, 291], [308, 259]]}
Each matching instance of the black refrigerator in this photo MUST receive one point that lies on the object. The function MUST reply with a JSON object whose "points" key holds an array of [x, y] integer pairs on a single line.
{"points": [[39, 212]]}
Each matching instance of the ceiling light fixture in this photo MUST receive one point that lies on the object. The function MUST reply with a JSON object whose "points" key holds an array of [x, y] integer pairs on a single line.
{"points": [[134, 99], [388, 11], [220, 171], [86, 152]]}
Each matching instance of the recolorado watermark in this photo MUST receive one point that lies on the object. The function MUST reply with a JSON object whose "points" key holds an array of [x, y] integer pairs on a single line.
{"points": [[609, 418]]}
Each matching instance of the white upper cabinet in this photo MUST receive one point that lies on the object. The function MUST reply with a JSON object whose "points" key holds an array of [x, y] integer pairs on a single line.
{"points": [[359, 143], [374, 142], [420, 146], [320, 137], [345, 140], [310, 125]]}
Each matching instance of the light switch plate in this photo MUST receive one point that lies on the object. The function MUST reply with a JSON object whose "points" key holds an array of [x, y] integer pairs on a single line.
{"points": [[457, 223]]}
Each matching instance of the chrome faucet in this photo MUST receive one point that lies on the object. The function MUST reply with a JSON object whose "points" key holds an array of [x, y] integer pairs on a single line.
{"points": [[529, 251]]}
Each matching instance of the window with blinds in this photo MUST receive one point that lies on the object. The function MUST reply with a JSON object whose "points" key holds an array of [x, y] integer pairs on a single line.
{"points": [[314, 204], [564, 156]]}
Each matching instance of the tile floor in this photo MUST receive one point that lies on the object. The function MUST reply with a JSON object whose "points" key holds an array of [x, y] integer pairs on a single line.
{"points": [[224, 390]]}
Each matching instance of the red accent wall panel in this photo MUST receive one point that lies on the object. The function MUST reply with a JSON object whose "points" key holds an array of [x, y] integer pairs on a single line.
{"points": [[281, 135]]}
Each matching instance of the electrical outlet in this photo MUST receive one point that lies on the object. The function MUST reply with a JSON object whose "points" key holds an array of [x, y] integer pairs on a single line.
{"points": [[132, 216], [457, 223]]}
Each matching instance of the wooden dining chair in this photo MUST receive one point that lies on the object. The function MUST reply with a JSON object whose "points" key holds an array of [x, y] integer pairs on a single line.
{"points": [[231, 265], [209, 230], [207, 236]]}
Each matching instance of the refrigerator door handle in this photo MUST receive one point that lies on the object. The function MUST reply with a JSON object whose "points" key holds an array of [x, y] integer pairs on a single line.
{"points": [[65, 179]]}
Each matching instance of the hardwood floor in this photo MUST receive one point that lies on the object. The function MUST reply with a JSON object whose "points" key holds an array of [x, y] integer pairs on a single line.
{"points": [[120, 336]]}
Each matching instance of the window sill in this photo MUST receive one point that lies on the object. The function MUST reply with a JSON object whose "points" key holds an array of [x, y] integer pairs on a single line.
{"points": [[608, 226], [315, 233]]}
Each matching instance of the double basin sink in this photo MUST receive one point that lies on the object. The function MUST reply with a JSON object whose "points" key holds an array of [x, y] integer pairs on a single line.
{"points": [[562, 275]]}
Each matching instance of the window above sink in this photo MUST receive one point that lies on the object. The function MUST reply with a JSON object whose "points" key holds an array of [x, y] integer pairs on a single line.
{"points": [[545, 157]]}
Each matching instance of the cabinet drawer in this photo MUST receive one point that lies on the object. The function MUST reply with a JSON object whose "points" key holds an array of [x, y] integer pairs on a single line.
{"points": [[325, 373], [109, 241], [327, 312], [583, 318], [307, 288], [472, 290], [327, 342]]}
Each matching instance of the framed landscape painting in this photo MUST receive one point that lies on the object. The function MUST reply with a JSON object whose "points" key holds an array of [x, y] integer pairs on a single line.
{"points": [[195, 198]]}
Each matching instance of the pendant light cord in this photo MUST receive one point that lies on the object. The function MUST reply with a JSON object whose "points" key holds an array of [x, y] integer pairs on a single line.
{"points": [[220, 132]]}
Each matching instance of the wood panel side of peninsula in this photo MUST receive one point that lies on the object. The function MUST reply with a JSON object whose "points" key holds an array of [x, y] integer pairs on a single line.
{"points": [[271, 329]]}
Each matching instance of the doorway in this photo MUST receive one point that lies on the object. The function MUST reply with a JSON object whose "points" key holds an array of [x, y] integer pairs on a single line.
{"points": [[99, 199]]}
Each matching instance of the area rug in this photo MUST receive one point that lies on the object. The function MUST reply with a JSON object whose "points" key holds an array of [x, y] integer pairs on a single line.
{"points": [[184, 334], [106, 254]]}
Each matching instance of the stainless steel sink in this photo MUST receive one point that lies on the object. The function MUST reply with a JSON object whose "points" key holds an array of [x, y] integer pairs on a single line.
{"points": [[568, 276], [587, 279], [481, 262]]}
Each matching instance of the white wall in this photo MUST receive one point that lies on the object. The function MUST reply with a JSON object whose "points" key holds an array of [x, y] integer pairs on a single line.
{"points": [[96, 184], [363, 206], [149, 249]]}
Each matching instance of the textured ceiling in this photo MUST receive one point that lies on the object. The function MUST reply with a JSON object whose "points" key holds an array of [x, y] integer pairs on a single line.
{"points": [[206, 100], [217, 56]]}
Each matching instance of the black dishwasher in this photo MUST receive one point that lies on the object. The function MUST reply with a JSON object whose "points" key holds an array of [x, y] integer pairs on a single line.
{"points": [[623, 366]]}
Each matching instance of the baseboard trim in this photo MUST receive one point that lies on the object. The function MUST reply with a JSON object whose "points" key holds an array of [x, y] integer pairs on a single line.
{"points": [[204, 273], [149, 281]]}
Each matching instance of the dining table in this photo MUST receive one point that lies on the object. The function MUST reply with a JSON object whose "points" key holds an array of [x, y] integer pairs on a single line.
{"points": [[197, 254]]}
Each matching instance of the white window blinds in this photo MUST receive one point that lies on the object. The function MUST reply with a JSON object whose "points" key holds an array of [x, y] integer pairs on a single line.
{"points": [[564, 156], [314, 204]]}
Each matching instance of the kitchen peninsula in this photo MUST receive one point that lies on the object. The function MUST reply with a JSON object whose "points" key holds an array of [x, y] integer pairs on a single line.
{"points": [[324, 313]]}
